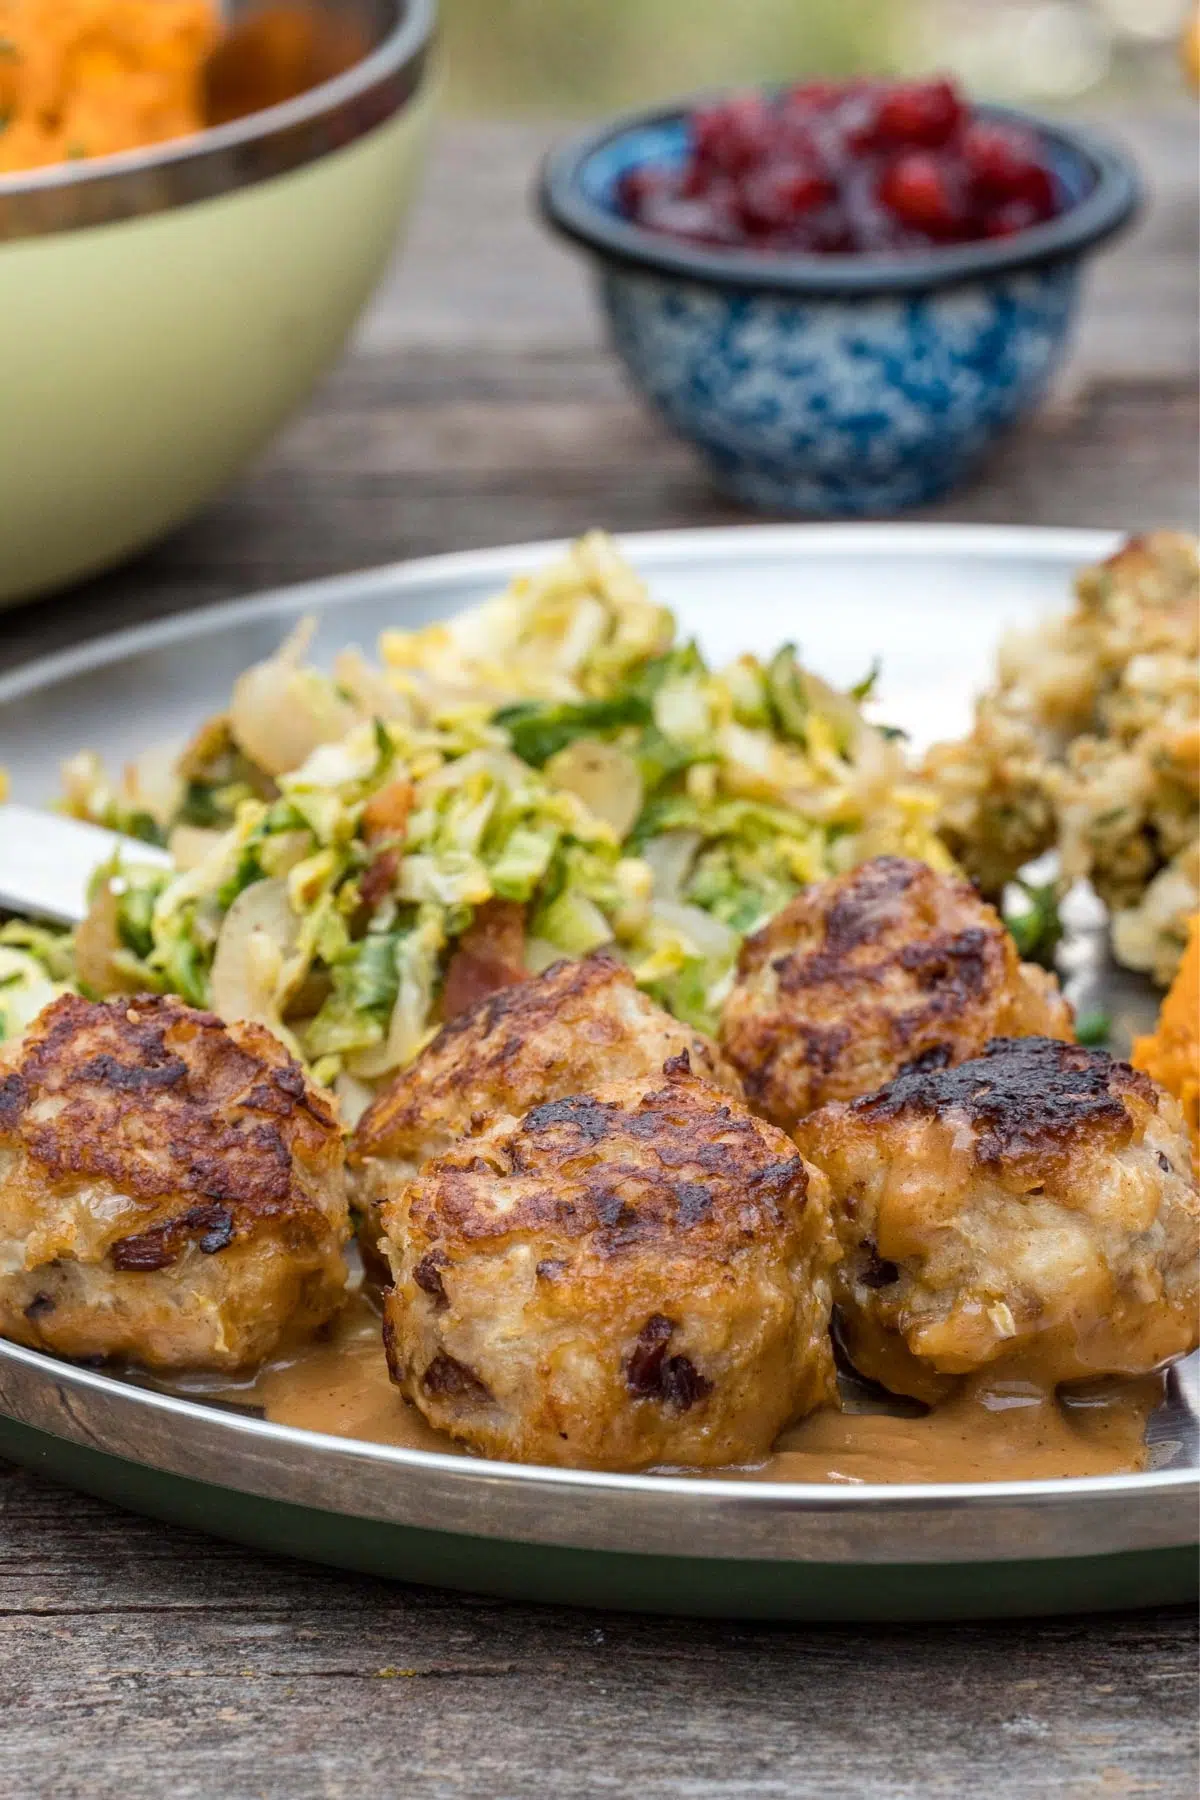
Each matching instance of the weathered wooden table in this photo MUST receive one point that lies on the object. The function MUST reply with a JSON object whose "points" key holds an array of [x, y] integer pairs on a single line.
{"points": [[479, 406]]}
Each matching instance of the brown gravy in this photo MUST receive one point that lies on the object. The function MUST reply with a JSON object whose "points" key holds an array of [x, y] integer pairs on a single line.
{"points": [[1001, 1426]]}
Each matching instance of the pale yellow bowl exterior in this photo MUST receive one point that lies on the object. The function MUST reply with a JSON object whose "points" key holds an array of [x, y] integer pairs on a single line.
{"points": [[142, 363]]}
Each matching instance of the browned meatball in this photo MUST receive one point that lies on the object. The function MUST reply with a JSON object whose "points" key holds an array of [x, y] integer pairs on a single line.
{"points": [[1036, 1203], [559, 1033], [171, 1188], [635, 1275], [891, 967]]}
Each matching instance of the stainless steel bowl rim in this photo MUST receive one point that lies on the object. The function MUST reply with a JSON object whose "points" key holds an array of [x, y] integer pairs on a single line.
{"points": [[226, 158]]}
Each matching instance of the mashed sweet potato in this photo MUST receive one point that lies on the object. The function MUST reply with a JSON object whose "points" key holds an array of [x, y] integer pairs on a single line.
{"points": [[1172, 1054], [83, 78]]}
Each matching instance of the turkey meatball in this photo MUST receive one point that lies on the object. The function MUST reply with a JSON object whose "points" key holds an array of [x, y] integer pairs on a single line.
{"points": [[1036, 1202], [171, 1188], [637, 1274], [559, 1033], [889, 968]]}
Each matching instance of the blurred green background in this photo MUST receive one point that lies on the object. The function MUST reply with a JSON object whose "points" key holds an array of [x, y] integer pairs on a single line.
{"points": [[583, 56]]}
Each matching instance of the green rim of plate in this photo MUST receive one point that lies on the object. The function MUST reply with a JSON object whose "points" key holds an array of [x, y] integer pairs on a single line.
{"points": [[619, 1581]]}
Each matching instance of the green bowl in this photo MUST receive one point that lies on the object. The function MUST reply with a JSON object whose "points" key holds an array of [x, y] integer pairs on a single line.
{"points": [[165, 310]]}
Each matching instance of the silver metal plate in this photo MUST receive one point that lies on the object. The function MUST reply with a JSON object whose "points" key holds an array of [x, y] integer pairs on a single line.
{"points": [[931, 602]]}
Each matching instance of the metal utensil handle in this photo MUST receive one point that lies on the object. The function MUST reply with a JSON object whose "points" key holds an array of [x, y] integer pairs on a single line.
{"points": [[47, 862]]}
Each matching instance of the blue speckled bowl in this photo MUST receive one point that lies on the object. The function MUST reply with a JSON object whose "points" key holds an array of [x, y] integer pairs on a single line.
{"points": [[836, 384]]}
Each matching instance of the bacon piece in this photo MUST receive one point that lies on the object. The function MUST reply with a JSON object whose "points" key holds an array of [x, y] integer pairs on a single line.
{"points": [[490, 955], [378, 878], [386, 813]]}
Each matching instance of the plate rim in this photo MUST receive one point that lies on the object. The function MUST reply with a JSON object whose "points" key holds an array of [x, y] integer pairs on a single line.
{"points": [[822, 1495], [600, 1510], [746, 1498], [498, 562]]}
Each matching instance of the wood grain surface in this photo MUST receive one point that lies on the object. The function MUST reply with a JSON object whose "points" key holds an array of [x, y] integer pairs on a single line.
{"points": [[139, 1660], [478, 405]]}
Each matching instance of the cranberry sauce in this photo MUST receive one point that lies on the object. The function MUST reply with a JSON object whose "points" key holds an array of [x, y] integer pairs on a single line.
{"points": [[836, 168]]}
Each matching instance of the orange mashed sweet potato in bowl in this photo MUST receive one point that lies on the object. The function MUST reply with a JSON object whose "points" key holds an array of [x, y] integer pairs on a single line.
{"points": [[86, 78], [1171, 1055], [197, 198]]}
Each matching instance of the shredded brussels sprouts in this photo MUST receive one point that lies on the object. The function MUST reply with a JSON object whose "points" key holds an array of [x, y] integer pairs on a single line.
{"points": [[36, 965], [555, 751]]}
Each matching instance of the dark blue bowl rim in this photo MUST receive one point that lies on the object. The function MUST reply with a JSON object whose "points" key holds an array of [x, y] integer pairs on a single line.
{"points": [[1114, 200]]}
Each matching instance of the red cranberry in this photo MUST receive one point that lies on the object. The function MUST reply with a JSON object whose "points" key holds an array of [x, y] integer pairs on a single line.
{"points": [[836, 168], [915, 188], [991, 155], [801, 137], [856, 120], [777, 195], [734, 136], [639, 188], [814, 96], [923, 113], [1037, 190], [1000, 160], [696, 179]]}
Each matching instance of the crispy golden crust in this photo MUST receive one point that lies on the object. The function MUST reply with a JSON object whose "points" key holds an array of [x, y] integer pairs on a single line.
{"points": [[1154, 575], [890, 967], [557, 1034], [995, 790], [684, 1166], [1024, 1098], [635, 1275], [1089, 741], [1037, 1202], [577, 1023], [163, 1100], [152, 1157]]}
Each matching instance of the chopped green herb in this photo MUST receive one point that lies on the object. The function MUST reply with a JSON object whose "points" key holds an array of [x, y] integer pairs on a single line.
{"points": [[685, 993], [200, 807], [249, 869], [539, 730], [1034, 922], [1094, 1029], [371, 974], [54, 949], [135, 916], [658, 757], [184, 971], [145, 828], [785, 689], [862, 690]]}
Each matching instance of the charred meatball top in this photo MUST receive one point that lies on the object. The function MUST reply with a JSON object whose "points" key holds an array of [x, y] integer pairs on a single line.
{"points": [[888, 968], [633, 1275], [171, 1187], [558, 1033], [1037, 1202]]}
